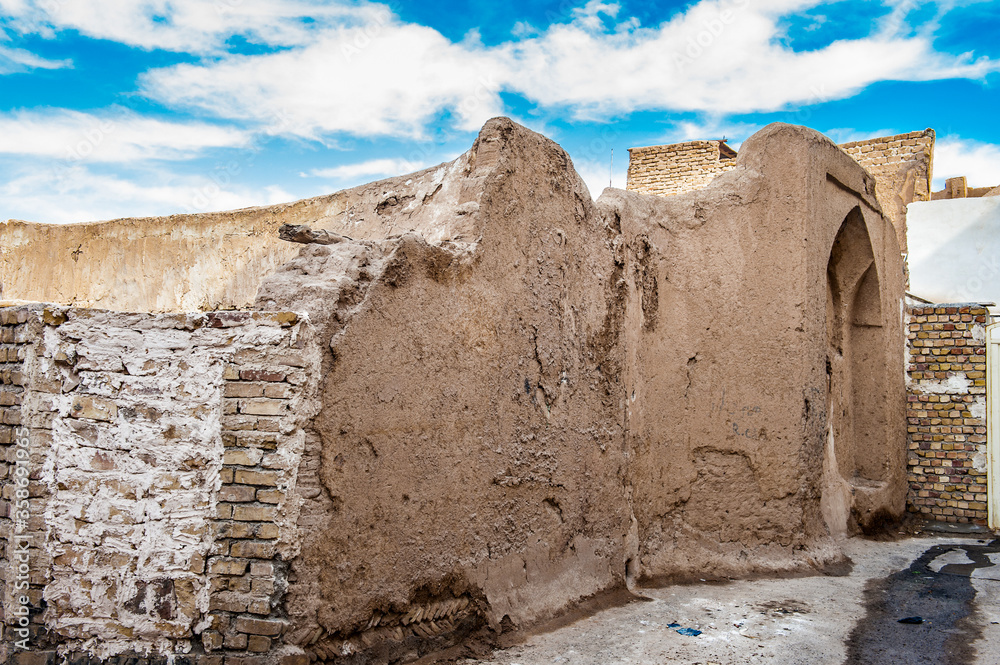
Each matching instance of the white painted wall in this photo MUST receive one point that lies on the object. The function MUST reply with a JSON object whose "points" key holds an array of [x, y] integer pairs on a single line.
{"points": [[954, 249]]}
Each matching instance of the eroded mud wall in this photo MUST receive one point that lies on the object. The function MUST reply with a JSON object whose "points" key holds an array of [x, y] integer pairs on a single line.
{"points": [[730, 403], [499, 405], [199, 262], [468, 457]]}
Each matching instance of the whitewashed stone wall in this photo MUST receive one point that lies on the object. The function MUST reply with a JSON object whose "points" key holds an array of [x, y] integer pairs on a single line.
{"points": [[132, 469]]}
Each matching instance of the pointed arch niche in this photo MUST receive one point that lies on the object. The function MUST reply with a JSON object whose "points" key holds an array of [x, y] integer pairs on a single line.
{"points": [[858, 447]]}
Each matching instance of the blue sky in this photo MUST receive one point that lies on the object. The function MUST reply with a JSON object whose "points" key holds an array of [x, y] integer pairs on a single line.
{"points": [[115, 108]]}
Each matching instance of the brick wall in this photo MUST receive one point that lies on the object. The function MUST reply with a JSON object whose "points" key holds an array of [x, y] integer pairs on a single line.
{"points": [[677, 168], [163, 449], [262, 400], [901, 165], [22, 524], [946, 412], [883, 157]]}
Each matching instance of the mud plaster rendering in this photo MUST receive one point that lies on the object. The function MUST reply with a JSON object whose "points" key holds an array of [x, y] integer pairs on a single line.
{"points": [[471, 400]]}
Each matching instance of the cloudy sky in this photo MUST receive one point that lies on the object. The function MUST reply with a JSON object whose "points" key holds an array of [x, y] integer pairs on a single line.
{"points": [[117, 108]]}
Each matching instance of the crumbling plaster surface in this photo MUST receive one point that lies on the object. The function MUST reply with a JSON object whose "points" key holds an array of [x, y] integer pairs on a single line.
{"points": [[560, 396], [125, 413], [469, 447]]}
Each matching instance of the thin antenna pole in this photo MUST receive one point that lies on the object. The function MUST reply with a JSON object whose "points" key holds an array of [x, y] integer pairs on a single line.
{"points": [[611, 171]]}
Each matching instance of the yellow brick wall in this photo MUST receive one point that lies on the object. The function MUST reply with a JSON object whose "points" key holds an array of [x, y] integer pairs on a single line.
{"points": [[946, 420], [883, 157], [673, 169], [902, 166]]}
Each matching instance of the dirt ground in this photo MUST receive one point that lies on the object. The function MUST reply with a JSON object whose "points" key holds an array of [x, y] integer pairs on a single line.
{"points": [[949, 581]]}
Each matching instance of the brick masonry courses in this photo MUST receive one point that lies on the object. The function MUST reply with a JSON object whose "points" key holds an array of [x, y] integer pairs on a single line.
{"points": [[903, 169], [127, 557], [901, 165], [677, 168], [946, 412]]}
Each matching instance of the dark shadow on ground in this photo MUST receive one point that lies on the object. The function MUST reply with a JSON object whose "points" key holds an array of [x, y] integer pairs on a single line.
{"points": [[943, 599]]}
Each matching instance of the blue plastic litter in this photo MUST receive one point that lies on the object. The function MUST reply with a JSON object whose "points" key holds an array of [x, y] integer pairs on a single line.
{"points": [[689, 631], [673, 625]]}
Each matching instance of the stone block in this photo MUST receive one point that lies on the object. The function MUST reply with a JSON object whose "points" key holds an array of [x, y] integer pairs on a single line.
{"points": [[270, 496], [253, 549], [235, 530], [242, 457], [254, 513], [226, 566], [262, 375], [261, 568], [258, 644], [260, 606], [277, 391], [243, 389], [267, 627], [248, 477], [94, 408], [237, 493], [228, 602], [263, 407]]}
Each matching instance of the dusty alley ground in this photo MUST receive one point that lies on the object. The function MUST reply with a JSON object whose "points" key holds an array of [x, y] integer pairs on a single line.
{"points": [[950, 581]]}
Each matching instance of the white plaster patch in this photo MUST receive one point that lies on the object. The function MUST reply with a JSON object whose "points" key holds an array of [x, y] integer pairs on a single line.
{"points": [[977, 409], [955, 384]]}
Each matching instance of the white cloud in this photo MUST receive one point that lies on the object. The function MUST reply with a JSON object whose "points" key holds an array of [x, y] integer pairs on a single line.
{"points": [[384, 77], [115, 136], [721, 56], [195, 26], [713, 127], [14, 60], [597, 176], [78, 194], [368, 169], [978, 162]]}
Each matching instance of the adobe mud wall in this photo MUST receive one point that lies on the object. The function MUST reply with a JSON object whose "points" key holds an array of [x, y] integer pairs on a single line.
{"points": [[181, 263], [717, 394], [946, 411], [498, 400]]}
